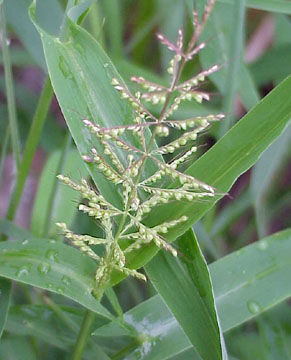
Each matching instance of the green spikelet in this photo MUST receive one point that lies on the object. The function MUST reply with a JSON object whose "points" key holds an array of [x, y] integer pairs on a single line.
{"points": [[141, 192]]}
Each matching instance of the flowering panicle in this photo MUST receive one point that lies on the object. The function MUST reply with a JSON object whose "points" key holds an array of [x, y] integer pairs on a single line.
{"points": [[143, 190]]}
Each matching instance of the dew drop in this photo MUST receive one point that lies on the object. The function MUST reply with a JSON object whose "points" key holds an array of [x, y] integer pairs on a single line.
{"points": [[43, 268], [80, 49], [66, 280], [60, 290], [263, 245], [51, 255], [23, 271], [254, 307], [63, 66], [106, 65], [25, 242]]}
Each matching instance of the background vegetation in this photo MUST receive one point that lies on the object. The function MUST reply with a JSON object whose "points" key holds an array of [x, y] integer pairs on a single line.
{"points": [[172, 316]]}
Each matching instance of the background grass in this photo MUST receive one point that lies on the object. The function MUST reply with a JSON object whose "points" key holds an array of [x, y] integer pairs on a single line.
{"points": [[256, 52]]}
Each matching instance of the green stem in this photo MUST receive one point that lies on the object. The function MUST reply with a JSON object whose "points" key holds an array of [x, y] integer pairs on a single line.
{"points": [[84, 334], [31, 145], [59, 313], [126, 350], [4, 151], [10, 90]]}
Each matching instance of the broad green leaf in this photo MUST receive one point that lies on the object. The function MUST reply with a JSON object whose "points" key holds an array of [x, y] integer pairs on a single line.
{"points": [[53, 266], [185, 286], [65, 208], [11, 231], [41, 322], [252, 279], [246, 283], [157, 325]]}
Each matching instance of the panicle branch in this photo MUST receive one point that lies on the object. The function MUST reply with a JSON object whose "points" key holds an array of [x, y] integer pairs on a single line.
{"points": [[143, 189]]}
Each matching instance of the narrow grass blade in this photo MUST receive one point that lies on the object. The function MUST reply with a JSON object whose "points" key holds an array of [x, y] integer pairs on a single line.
{"points": [[12, 114], [4, 152], [185, 286], [114, 26], [246, 283], [235, 54], [30, 147]]}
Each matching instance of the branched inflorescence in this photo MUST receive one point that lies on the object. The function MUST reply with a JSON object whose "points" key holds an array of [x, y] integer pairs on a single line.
{"points": [[143, 191]]}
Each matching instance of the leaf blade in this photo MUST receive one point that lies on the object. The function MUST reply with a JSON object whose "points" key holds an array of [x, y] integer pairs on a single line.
{"points": [[189, 294], [255, 258], [52, 266]]}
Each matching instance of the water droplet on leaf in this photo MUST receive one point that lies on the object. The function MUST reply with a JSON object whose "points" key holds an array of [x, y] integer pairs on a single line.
{"points": [[80, 49], [254, 307], [66, 280], [43, 268], [23, 271], [51, 255], [63, 66], [263, 245], [60, 290]]}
